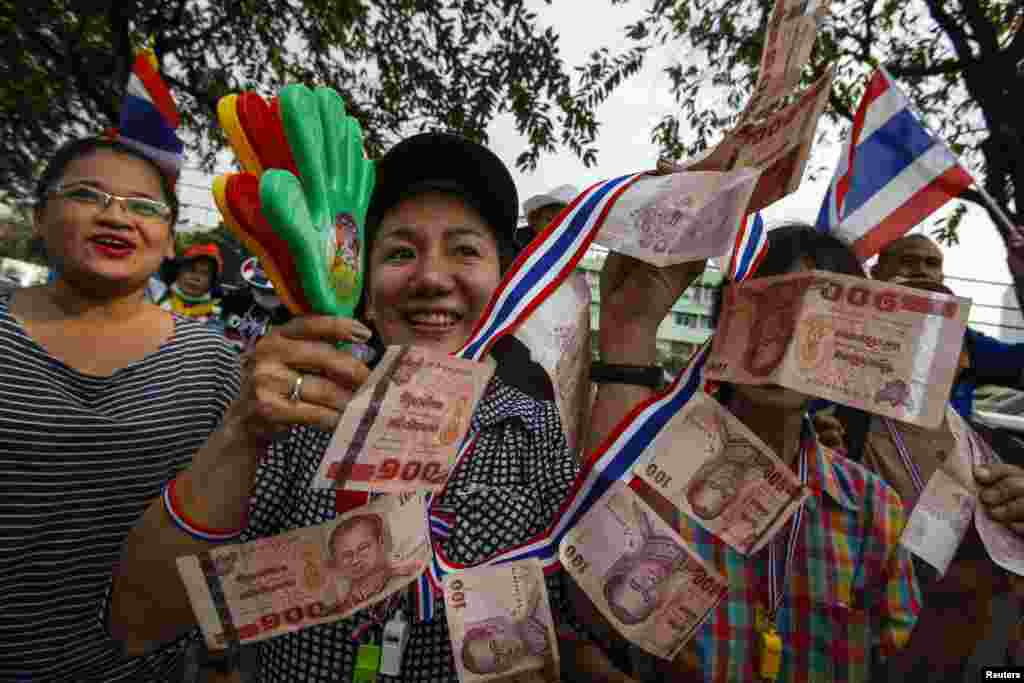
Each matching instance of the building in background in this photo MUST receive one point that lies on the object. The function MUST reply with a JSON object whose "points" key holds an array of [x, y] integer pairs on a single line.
{"points": [[683, 330], [1011, 323]]}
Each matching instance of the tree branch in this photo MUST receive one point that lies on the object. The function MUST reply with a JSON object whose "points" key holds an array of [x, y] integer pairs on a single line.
{"points": [[948, 66], [839, 107], [83, 80], [983, 29], [952, 29]]}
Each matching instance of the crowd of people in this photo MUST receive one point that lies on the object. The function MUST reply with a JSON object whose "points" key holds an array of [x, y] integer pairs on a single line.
{"points": [[126, 406]]}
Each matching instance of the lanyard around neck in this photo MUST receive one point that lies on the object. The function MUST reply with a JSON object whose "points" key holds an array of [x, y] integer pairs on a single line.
{"points": [[908, 463], [777, 583]]}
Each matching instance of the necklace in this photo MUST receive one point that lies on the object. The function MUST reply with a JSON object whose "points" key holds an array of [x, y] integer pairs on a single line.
{"points": [[770, 660]]}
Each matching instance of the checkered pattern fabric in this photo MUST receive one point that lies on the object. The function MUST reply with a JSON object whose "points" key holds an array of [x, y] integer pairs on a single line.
{"points": [[850, 598], [504, 493]]}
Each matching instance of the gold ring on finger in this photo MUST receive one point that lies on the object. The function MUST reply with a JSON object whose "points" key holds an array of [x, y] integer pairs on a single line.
{"points": [[296, 394]]}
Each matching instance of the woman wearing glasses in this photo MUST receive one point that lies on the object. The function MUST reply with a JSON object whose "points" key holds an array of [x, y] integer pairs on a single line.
{"points": [[103, 398]]}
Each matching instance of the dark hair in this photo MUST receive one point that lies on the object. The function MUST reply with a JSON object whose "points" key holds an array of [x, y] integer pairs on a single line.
{"points": [[507, 247], [170, 269], [76, 149], [790, 242], [787, 244]]}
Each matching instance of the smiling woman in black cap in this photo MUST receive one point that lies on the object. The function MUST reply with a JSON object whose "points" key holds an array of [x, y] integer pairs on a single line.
{"points": [[441, 230]]}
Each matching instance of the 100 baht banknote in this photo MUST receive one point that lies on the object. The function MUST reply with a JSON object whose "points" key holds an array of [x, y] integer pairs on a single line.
{"points": [[558, 337], [639, 573], [713, 469], [877, 346], [1004, 546], [401, 430], [789, 39], [305, 577], [500, 622], [777, 146], [677, 217]]}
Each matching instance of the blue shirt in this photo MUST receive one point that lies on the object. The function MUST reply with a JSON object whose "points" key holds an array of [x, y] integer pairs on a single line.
{"points": [[992, 362]]}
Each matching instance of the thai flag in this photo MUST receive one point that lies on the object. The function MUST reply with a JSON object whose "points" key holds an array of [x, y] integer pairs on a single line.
{"points": [[149, 116], [749, 248], [892, 173]]}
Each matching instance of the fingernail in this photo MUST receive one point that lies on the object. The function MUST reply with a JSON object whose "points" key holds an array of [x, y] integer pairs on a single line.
{"points": [[981, 471], [360, 332]]}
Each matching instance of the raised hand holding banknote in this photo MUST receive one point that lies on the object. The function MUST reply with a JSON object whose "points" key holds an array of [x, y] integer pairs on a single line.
{"points": [[293, 378], [635, 298]]}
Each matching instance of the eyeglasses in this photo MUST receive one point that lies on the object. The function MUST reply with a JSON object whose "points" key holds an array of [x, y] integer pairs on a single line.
{"points": [[140, 207]]}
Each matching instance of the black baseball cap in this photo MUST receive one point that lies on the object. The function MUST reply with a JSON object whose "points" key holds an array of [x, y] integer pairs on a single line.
{"points": [[448, 163]]}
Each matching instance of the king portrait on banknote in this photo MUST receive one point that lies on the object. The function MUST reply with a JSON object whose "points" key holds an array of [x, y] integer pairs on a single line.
{"points": [[359, 550], [633, 584], [497, 644]]}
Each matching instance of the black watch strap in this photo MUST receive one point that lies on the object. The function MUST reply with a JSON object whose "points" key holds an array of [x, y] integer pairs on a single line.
{"points": [[640, 375], [221, 661]]}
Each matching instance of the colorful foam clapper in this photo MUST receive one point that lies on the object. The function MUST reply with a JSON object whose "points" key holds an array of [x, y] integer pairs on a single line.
{"points": [[227, 115], [262, 125], [322, 213], [301, 206]]}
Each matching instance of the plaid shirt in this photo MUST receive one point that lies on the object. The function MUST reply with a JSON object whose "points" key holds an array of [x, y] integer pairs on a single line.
{"points": [[850, 600]]}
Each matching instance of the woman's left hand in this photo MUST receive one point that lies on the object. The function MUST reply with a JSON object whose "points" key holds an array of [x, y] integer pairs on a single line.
{"points": [[1002, 493], [635, 298]]}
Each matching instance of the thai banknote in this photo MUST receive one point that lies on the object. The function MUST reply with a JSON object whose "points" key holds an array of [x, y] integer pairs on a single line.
{"points": [[402, 429], [949, 502], [940, 520], [778, 146], [1004, 546], [711, 467], [319, 574], [877, 346], [558, 336], [669, 219], [500, 623], [646, 581], [792, 30]]}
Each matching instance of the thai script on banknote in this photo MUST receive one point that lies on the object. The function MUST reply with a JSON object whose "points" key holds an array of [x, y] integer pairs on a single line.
{"points": [[713, 469], [253, 591], [880, 347], [640, 574], [401, 430], [500, 622], [669, 219]]}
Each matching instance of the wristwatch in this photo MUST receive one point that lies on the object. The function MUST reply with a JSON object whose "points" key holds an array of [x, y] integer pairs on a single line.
{"points": [[652, 376], [221, 661]]}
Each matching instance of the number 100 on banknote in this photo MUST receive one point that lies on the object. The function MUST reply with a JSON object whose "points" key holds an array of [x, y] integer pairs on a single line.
{"points": [[402, 429]]}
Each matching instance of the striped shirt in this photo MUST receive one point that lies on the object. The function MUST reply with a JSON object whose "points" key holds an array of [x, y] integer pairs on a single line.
{"points": [[81, 458], [850, 597]]}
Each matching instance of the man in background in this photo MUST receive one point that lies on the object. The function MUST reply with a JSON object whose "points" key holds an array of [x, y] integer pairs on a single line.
{"points": [[990, 361], [541, 209]]}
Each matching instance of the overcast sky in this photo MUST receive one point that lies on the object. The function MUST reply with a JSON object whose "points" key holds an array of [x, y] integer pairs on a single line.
{"points": [[624, 146], [637, 105]]}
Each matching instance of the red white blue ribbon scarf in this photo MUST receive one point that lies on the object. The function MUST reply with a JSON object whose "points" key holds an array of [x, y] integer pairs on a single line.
{"points": [[536, 273]]}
